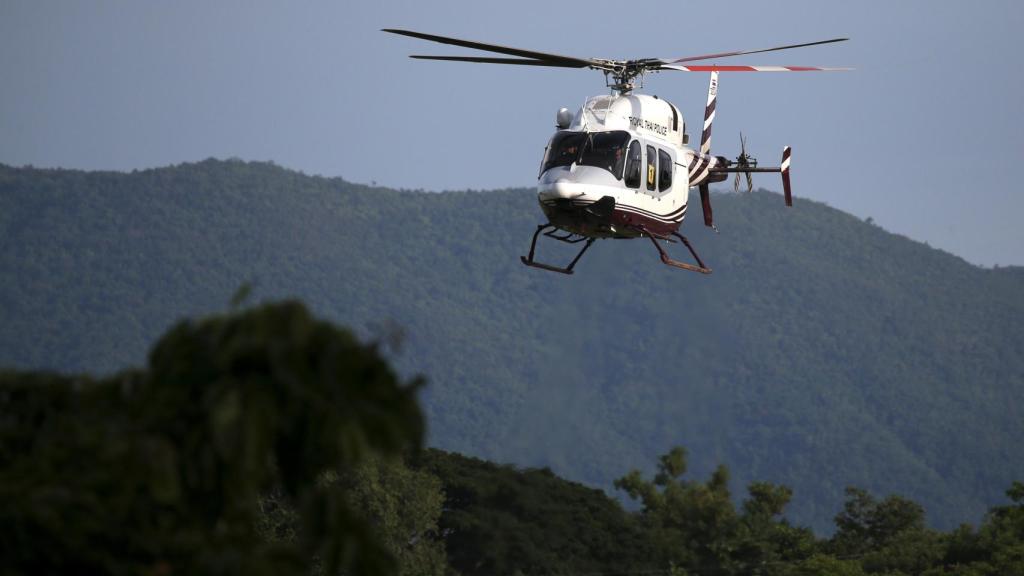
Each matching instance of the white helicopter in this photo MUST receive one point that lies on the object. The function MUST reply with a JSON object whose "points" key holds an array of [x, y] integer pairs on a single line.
{"points": [[620, 167]]}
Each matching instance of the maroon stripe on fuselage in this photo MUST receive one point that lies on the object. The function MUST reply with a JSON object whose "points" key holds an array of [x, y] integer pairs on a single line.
{"points": [[632, 220], [670, 216], [693, 177], [654, 215]]}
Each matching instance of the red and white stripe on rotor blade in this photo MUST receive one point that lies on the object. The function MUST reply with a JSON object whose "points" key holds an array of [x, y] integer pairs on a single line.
{"points": [[745, 52], [715, 68]]}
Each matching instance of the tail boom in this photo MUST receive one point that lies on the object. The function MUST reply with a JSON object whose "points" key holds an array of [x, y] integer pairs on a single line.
{"points": [[720, 169]]}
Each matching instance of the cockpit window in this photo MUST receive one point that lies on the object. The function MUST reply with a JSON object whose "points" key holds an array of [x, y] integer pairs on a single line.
{"points": [[563, 150], [601, 149], [605, 150]]}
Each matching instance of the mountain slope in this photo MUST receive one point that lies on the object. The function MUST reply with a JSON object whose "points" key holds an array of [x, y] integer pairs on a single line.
{"points": [[822, 352]]}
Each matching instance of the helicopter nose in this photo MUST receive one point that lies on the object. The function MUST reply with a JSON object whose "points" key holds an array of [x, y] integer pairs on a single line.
{"points": [[561, 188]]}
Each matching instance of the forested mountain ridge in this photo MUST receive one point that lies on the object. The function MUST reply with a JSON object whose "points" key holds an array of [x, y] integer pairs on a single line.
{"points": [[822, 352]]}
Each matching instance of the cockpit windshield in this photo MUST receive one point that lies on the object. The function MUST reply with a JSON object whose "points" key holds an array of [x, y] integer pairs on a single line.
{"points": [[563, 150], [605, 150]]}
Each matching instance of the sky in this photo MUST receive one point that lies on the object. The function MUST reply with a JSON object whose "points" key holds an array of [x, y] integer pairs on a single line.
{"points": [[924, 137]]}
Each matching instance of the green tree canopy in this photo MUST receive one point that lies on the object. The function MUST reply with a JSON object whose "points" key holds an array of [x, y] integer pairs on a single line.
{"points": [[159, 470], [697, 527]]}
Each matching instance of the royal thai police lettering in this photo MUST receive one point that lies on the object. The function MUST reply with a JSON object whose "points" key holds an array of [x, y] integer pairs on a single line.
{"points": [[635, 122]]}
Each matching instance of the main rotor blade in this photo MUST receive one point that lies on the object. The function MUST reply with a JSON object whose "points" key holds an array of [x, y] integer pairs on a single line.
{"points": [[715, 68], [579, 62], [521, 61], [741, 52]]}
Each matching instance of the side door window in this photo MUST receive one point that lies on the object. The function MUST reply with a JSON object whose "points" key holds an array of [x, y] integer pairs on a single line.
{"points": [[665, 175], [652, 168], [633, 161]]}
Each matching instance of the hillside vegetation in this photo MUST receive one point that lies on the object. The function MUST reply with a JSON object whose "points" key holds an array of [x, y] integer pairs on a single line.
{"points": [[823, 351], [266, 441]]}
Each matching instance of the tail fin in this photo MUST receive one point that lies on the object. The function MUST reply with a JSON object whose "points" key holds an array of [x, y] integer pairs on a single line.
{"points": [[705, 202], [709, 114], [786, 152]]}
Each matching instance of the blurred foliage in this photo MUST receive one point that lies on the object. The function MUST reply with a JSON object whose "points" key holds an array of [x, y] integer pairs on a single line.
{"points": [[820, 343], [158, 471], [401, 505]]}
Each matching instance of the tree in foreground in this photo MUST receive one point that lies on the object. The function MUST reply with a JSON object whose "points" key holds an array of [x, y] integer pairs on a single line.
{"points": [[158, 471], [402, 506], [996, 547], [699, 529]]}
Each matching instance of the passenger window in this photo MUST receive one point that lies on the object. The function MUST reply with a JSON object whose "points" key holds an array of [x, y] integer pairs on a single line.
{"points": [[652, 167], [634, 158], [665, 176]]}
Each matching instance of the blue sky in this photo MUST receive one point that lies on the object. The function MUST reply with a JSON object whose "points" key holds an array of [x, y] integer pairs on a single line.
{"points": [[924, 137]]}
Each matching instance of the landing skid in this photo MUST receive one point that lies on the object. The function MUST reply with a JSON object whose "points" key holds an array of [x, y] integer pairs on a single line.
{"points": [[666, 259], [549, 231]]}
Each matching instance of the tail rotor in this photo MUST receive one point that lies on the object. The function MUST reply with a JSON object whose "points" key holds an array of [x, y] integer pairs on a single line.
{"points": [[744, 162]]}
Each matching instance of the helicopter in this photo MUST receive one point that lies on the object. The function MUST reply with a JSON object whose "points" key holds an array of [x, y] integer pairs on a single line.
{"points": [[620, 167]]}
